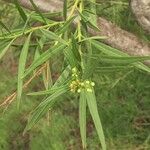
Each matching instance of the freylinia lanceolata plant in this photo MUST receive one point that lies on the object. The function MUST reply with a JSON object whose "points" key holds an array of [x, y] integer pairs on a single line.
{"points": [[83, 57]]}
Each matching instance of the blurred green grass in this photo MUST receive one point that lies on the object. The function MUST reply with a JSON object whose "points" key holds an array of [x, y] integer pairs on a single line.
{"points": [[124, 111], [124, 108]]}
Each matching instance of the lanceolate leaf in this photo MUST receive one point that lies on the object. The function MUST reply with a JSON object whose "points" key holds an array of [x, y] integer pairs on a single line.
{"points": [[82, 117], [112, 69], [65, 26], [70, 57], [43, 107], [3, 51], [21, 11], [93, 17], [63, 78], [39, 47], [75, 48], [3, 44], [26, 25], [21, 69], [37, 54], [91, 101], [53, 36], [37, 17], [49, 91], [142, 67], [65, 9], [37, 10], [107, 49], [114, 52], [44, 57], [4, 26], [85, 17], [123, 60], [94, 38]]}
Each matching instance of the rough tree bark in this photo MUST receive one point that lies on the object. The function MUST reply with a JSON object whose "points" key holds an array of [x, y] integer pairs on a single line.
{"points": [[116, 37], [43, 5], [141, 10]]}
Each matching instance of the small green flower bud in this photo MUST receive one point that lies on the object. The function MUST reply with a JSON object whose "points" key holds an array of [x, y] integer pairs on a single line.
{"points": [[72, 90], [89, 90], [82, 84], [92, 83], [87, 82], [76, 75], [73, 82], [73, 75], [79, 90], [74, 70]]}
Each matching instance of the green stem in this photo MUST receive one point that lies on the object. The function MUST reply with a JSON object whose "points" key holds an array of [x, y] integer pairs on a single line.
{"points": [[29, 31], [73, 9], [80, 34]]}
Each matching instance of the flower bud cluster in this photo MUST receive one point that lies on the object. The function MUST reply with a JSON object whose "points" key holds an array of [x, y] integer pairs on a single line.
{"points": [[77, 84]]}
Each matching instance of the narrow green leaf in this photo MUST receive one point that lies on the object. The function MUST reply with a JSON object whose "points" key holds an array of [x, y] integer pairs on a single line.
{"points": [[75, 48], [43, 107], [82, 117], [46, 74], [37, 10], [90, 65], [142, 67], [65, 26], [53, 36], [36, 55], [107, 49], [88, 11], [20, 10], [3, 51], [65, 9], [40, 44], [36, 17], [70, 57], [3, 44], [112, 69], [18, 32], [94, 3], [86, 18], [44, 57], [63, 78], [21, 68], [114, 52], [49, 91], [4, 26], [93, 17], [26, 24], [94, 38], [122, 59], [91, 101], [47, 16]]}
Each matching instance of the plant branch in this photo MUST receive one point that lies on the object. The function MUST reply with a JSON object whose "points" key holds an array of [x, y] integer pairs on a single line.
{"points": [[116, 37]]}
